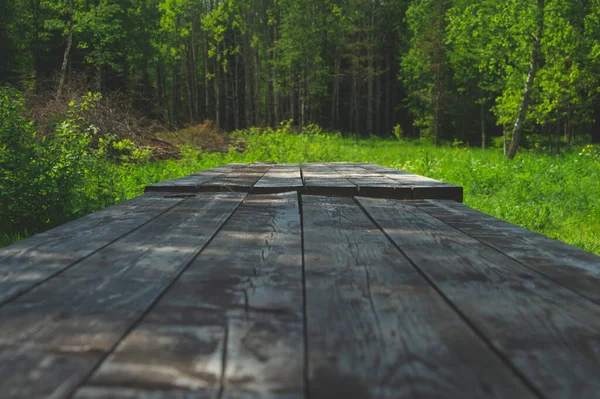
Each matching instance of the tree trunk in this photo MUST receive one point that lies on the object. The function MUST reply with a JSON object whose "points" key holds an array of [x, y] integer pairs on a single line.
{"points": [[596, 124], [206, 81], [188, 86], [65, 63], [482, 116], [533, 67]]}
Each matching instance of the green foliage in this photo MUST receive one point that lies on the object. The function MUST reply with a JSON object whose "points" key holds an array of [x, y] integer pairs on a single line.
{"points": [[398, 132], [556, 196], [46, 181]]}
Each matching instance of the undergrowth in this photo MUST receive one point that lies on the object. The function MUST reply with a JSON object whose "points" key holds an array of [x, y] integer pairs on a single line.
{"points": [[558, 196]]}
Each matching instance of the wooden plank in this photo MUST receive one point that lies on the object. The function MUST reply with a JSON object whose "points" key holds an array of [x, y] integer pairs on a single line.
{"points": [[239, 180], [77, 314], [241, 301], [571, 267], [281, 178], [31, 261], [191, 183], [375, 327], [549, 333], [136, 393], [422, 187], [33, 374], [163, 247], [91, 314], [320, 179], [372, 184]]}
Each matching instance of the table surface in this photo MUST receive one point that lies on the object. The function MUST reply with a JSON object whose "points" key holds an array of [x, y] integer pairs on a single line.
{"points": [[290, 295], [333, 179]]}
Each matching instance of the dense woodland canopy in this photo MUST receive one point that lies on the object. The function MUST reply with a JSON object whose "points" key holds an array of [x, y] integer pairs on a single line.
{"points": [[461, 70]]}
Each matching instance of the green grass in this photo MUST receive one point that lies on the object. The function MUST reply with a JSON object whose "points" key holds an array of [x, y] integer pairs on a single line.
{"points": [[555, 196]]}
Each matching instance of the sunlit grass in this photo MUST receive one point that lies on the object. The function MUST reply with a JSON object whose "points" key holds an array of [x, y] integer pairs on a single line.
{"points": [[555, 196]]}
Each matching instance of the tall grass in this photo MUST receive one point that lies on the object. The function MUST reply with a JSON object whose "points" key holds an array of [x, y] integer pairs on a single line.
{"points": [[555, 196]]}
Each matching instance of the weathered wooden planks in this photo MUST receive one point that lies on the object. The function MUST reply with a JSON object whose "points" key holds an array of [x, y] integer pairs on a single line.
{"points": [[550, 334], [31, 374], [572, 267], [375, 327], [372, 184], [321, 179], [238, 180], [192, 183], [422, 187], [332, 179], [88, 311], [281, 178], [31, 261], [231, 326]]}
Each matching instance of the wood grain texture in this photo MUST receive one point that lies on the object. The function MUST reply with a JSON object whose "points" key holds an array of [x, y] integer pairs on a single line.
{"points": [[90, 313], [372, 184], [421, 186], [320, 179], [376, 328], [28, 262], [549, 333], [76, 315], [31, 374], [281, 178], [192, 183], [238, 180], [240, 301], [163, 247], [572, 267], [93, 392]]}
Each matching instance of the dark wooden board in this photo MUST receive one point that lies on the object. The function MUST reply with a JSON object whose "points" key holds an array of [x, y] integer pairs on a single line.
{"points": [[281, 178], [372, 184], [31, 374], [78, 315], [31, 261], [240, 301], [238, 180], [550, 334], [192, 183], [94, 392], [422, 187], [320, 179], [376, 328], [163, 247], [91, 314], [572, 267]]}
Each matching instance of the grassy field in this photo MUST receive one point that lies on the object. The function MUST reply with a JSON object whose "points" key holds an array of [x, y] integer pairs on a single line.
{"points": [[555, 196]]}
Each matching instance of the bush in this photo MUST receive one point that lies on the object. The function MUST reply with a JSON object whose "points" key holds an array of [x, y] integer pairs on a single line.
{"points": [[47, 181]]}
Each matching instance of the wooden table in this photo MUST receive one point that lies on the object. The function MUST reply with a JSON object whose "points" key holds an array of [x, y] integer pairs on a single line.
{"points": [[230, 294]]}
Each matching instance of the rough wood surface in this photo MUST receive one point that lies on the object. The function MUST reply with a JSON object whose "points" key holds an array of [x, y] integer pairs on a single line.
{"points": [[235, 295], [281, 178], [550, 334], [192, 183], [31, 374], [572, 267], [372, 184], [376, 328], [163, 247], [333, 179], [31, 261], [72, 313], [238, 180], [321, 179], [422, 187], [232, 325]]}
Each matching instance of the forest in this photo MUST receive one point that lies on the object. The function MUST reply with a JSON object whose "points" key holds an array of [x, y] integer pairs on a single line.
{"points": [[445, 69], [90, 89]]}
